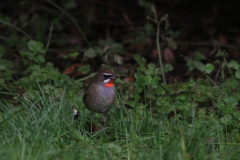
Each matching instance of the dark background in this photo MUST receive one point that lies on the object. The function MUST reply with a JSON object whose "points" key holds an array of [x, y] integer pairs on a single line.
{"points": [[203, 26]]}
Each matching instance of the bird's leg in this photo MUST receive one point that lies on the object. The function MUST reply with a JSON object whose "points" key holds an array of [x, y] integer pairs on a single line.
{"points": [[92, 120], [104, 119]]}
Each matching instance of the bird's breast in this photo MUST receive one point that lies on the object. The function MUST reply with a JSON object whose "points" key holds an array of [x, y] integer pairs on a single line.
{"points": [[100, 99]]}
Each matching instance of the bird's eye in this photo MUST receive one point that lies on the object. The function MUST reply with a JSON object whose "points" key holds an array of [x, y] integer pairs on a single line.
{"points": [[106, 76]]}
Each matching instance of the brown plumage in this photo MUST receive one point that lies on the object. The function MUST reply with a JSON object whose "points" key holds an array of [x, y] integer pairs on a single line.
{"points": [[100, 93]]}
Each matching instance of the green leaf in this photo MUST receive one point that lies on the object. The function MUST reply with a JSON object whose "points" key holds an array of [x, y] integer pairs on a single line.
{"points": [[6, 64], [114, 47], [198, 56], [35, 68], [27, 54], [233, 64], [237, 74], [140, 60], [217, 61], [13, 39], [202, 114], [90, 53], [155, 81], [98, 50], [153, 9], [140, 38], [171, 43], [40, 58], [167, 67], [36, 47], [53, 73], [70, 5], [220, 54], [160, 90], [231, 101], [2, 51], [208, 68], [230, 83], [163, 101], [6, 76], [145, 4], [182, 97], [223, 107], [188, 84], [227, 90], [172, 33], [33, 94], [58, 90], [3, 67], [191, 65], [74, 54], [183, 106], [198, 65], [149, 28], [141, 3], [150, 69], [226, 119], [37, 76], [203, 82], [84, 69], [49, 65], [48, 88], [165, 18], [144, 80]]}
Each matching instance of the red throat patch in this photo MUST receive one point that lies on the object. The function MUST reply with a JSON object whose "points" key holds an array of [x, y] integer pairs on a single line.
{"points": [[109, 84]]}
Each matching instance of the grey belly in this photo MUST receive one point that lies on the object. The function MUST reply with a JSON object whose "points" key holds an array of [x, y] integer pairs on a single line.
{"points": [[103, 102]]}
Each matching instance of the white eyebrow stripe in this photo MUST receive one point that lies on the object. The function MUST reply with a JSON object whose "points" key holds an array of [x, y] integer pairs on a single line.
{"points": [[107, 80], [107, 74]]}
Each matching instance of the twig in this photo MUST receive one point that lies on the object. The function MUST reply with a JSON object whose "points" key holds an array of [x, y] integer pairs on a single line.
{"points": [[159, 51], [158, 37], [30, 102], [50, 36], [206, 75], [218, 72], [3, 38], [72, 19], [127, 20], [225, 62], [82, 79], [208, 44], [17, 28]]}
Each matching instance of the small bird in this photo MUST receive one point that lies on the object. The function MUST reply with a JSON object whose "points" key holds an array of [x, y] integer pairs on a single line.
{"points": [[100, 94]]}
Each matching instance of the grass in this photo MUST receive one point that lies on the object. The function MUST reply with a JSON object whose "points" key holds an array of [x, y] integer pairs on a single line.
{"points": [[50, 132], [205, 123]]}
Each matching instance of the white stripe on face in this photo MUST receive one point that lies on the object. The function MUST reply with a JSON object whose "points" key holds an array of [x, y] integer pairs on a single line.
{"points": [[107, 80], [107, 74]]}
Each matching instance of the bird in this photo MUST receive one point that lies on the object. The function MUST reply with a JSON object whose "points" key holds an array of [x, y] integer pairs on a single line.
{"points": [[99, 95]]}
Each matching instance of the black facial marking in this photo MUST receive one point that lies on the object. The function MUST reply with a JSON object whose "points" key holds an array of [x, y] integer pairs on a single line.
{"points": [[106, 76]]}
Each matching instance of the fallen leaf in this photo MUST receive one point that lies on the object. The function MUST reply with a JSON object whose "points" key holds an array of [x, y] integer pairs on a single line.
{"points": [[154, 54], [128, 76], [118, 58], [169, 56], [71, 69], [222, 39]]}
